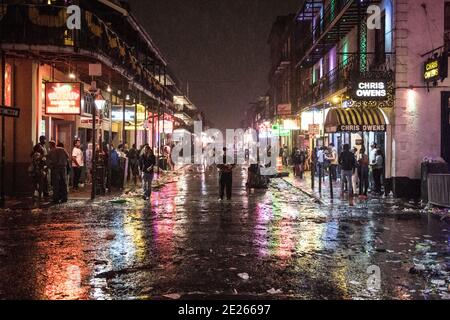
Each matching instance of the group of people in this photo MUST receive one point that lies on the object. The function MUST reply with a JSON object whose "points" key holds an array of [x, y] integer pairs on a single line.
{"points": [[54, 162], [358, 169], [299, 161]]}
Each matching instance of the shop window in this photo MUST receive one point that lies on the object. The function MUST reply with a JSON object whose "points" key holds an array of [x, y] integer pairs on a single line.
{"points": [[68, 38], [345, 53]]}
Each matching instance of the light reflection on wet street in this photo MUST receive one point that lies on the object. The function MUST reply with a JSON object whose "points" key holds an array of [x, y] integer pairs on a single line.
{"points": [[189, 243]]}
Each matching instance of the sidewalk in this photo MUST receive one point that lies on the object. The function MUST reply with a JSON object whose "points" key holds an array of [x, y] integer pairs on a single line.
{"points": [[84, 194], [324, 197]]}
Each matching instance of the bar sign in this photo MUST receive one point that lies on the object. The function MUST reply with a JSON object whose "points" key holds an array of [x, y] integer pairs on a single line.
{"points": [[9, 112]]}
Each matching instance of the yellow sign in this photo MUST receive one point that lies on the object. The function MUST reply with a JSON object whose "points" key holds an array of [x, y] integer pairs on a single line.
{"points": [[431, 72]]}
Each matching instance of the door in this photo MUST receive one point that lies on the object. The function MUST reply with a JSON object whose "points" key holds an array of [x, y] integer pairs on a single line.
{"points": [[64, 134]]}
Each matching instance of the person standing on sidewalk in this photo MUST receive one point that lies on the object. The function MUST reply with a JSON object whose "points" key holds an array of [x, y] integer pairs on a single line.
{"points": [[355, 176], [148, 162], [333, 158], [377, 167], [57, 160], [320, 161], [89, 155], [363, 168], [348, 164], [40, 172], [77, 163], [372, 157]]}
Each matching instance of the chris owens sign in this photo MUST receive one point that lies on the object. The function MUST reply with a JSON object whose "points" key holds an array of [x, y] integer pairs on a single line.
{"points": [[63, 98], [369, 90]]}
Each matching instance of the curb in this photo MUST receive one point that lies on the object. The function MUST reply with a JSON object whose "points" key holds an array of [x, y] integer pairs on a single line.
{"points": [[321, 202]]}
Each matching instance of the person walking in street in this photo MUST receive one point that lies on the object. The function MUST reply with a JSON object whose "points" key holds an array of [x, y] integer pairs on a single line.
{"points": [[333, 158], [225, 176], [348, 164], [363, 172], [38, 168], [148, 162], [377, 168], [57, 160], [77, 163]]}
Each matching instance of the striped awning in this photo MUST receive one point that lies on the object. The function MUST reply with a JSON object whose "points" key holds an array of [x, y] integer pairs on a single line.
{"points": [[355, 120]]}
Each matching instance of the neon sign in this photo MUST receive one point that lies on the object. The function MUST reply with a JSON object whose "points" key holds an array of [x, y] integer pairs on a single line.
{"points": [[63, 98]]}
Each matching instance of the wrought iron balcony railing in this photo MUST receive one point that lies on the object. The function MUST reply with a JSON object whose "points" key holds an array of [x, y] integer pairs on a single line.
{"points": [[338, 78], [45, 26], [332, 82], [335, 21]]}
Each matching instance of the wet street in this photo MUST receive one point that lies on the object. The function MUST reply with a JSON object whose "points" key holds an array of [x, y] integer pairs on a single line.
{"points": [[274, 244]]}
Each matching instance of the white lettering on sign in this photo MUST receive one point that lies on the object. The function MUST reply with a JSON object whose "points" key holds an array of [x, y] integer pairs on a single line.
{"points": [[371, 89]]}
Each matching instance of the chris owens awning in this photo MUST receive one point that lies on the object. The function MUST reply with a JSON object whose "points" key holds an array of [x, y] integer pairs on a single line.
{"points": [[355, 120]]}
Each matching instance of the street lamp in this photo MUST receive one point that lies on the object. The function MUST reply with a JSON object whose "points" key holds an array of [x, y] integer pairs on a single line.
{"points": [[99, 103]]}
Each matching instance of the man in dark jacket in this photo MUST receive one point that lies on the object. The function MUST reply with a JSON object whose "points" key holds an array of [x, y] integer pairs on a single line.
{"points": [[347, 161], [225, 176], [40, 171], [148, 162], [57, 160]]}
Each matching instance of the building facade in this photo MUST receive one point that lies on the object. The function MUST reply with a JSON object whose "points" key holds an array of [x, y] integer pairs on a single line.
{"points": [[49, 71], [354, 72]]}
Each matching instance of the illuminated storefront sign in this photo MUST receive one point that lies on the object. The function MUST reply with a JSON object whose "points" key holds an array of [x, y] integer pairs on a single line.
{"points": [[370, 90], [279, 131], [291, 124], [436, 69], [63, 98], [431, 70]]}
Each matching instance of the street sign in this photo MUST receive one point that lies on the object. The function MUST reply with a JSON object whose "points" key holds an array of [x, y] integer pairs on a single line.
{"points": [[9, 112], [314, 129]]}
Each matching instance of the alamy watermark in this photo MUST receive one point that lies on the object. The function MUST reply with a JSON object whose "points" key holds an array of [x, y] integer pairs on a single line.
{"points": [[74, 17], [374, 18], [241, 147]]}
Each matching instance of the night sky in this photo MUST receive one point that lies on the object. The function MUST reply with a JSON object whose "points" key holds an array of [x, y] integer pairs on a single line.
{"points": [[219, 46]]}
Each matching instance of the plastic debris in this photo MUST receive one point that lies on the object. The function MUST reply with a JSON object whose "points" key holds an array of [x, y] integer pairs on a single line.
{"points": [[119, 201], [173, 296], [243, 276], [273, 291], [110, 235], [438, 282]]}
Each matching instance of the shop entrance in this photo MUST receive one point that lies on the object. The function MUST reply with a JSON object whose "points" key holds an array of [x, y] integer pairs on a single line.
{"points": [[63, 133]]}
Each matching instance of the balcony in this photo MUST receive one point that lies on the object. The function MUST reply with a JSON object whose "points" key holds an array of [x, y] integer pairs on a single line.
{"points": [[332, 26], [338, 79], [40, 31]]}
